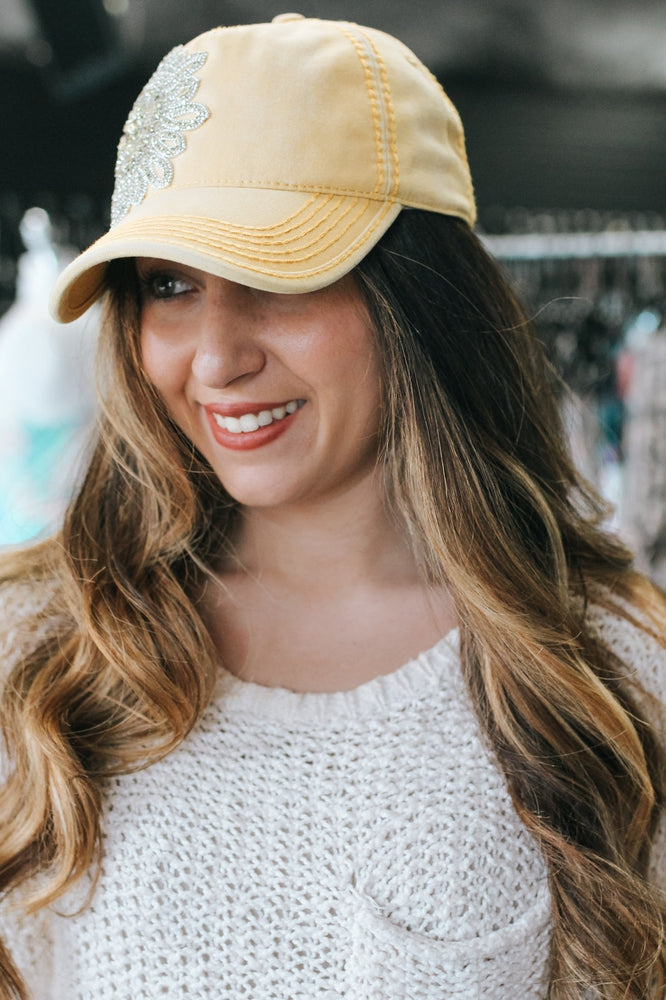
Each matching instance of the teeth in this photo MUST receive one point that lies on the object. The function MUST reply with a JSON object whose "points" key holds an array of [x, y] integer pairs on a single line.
{"points": [[249, 422]]}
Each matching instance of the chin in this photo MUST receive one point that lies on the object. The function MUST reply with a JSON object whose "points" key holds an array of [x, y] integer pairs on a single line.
{"points": [[260, 495]]}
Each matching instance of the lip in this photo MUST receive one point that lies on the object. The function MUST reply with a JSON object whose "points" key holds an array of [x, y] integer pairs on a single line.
{"points": [[238, 409], [251, 439]]}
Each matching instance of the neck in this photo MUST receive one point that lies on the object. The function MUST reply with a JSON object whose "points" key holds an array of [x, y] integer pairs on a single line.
{"points": [[326, 545]]}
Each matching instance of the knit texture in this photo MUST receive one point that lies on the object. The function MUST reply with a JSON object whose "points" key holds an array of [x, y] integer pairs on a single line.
{"points": [[359, 845]]}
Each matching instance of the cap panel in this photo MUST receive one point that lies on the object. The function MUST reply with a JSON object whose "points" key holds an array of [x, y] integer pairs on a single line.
{"points": [[301, 120], [434, 173]]}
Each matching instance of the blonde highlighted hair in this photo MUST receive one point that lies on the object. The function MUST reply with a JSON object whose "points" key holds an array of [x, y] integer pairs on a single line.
{"points": [[478, 472]]}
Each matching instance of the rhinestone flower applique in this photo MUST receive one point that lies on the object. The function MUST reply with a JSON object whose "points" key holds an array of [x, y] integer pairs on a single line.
{"points": [[153, 133]]}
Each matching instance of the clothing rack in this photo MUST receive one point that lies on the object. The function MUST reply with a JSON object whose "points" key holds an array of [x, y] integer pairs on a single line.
{"points": [[576, 246], [585, 278], [596, 288]]}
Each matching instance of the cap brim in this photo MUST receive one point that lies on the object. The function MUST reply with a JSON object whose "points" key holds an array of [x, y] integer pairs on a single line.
{"points": [[279, 241]]}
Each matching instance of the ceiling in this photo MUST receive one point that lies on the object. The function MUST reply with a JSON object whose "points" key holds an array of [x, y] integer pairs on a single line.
{"points": [[598, 43]]}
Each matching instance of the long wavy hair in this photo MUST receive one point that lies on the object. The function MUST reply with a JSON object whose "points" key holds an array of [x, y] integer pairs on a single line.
{"points": [[478, 472]]}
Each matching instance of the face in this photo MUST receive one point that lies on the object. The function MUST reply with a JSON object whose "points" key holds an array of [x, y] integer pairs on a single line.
{"points": [[281, 393]]}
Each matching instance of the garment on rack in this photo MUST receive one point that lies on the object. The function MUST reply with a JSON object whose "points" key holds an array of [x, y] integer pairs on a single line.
{"points": [[643, 517], [582, 427], [46, 393]]}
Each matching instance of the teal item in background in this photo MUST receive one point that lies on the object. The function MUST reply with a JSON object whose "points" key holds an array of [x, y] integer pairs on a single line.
{"points": [[37, 475]]}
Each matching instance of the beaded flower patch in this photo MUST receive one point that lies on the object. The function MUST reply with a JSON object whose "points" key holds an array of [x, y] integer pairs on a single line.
{"points": [[154, 131]]}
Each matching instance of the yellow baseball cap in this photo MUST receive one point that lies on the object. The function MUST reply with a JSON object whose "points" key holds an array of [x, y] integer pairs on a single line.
{"points": [[276, 155]]}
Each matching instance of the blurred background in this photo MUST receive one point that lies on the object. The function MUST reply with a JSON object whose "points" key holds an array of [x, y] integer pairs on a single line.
{"points": [[564, 107]]}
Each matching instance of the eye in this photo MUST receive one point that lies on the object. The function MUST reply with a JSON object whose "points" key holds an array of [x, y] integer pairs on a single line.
{"points": [[163, 285]]}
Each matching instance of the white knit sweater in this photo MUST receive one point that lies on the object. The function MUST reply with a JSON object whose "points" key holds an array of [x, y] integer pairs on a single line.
{"points": [[359, 845]]}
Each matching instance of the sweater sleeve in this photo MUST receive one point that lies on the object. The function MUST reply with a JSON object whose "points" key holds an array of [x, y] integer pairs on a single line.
{"points": [[645, 662], [26, 936], [21, 623]]}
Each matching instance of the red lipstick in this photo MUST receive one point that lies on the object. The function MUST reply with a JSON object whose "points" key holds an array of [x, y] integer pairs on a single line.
{"points": [[247, 440]]}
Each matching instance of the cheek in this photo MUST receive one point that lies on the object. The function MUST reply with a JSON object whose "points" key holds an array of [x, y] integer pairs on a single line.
{"points": [[348, 346], [165, 368], [356, 363], [369, 385], [163, 363], [353, 392]]}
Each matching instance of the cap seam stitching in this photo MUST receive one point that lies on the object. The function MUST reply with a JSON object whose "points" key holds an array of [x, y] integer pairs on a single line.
{"points": [[361, 240], [391, 142], [232, 182], [374, 104], [216, 233]]}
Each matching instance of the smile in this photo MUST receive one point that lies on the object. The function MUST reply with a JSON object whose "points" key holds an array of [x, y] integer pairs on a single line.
{"points": [[246, 423]]}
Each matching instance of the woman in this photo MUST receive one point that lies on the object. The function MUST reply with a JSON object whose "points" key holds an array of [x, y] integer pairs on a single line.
{"points": [[327, 442]]}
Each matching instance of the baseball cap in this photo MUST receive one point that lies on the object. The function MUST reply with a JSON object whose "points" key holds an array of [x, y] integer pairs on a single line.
{"points": [[276, 155]]}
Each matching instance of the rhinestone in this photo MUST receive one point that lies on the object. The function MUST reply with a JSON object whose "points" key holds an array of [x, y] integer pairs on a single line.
{"points": [[153, 134]]}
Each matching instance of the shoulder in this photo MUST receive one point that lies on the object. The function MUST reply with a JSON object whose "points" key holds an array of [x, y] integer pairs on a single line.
{"points": [[631, 635], [640, 646]]}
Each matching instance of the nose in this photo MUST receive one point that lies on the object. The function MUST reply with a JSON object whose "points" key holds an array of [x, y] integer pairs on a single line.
{"points": [[227, 345]]}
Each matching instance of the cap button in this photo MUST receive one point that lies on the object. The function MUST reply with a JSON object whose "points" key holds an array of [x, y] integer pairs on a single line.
{"points": [[288, 17]]}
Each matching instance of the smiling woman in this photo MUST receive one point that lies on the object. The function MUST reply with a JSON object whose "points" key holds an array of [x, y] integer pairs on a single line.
{"points": [[332, 683], [239, 369]]}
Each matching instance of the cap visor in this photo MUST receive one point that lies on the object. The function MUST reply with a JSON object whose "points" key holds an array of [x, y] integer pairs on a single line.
{"points": [[279, 241]]}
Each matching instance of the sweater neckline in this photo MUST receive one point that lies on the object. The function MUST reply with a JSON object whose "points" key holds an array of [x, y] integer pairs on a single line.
{"points": [[413, 681]]}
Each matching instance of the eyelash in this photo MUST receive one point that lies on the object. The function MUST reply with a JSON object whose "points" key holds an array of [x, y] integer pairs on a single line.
{"points": [[148, 283]]}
